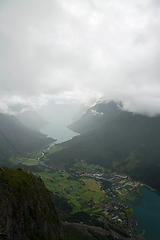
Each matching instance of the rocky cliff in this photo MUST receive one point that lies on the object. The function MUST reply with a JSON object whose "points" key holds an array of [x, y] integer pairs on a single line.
{"points": [[27, 210]]}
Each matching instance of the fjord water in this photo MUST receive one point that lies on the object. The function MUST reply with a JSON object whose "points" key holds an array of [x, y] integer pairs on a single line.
{"points": [[148, 214], [58, 130]]}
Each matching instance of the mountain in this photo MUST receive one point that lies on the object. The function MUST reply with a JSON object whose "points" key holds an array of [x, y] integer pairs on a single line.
{"points": [[28, 116], [118, 140], [32, 119], [78, 114], [27, 210], [16, 139], [96, 117]]}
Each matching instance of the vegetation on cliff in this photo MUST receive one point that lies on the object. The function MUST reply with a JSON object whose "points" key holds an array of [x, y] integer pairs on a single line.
{"points": [[27, 210]]}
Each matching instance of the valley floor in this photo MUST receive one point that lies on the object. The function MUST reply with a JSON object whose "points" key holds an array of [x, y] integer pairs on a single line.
{"points": [[89, 195]]}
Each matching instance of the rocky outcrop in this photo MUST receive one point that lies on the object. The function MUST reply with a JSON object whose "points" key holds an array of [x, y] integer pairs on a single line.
{"points": [[27, 210]]}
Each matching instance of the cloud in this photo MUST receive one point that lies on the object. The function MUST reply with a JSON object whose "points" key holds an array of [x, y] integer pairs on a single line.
{"points": [[82, 50]]}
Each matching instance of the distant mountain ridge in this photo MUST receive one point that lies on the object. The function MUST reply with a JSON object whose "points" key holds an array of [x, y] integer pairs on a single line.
{"points": [[32, 119], [117, 140], [28, 116]]}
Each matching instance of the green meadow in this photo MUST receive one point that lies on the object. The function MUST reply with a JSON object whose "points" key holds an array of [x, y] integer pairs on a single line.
{"points": [[92, 185], [50, 151], [84, 194], [24, 160]]}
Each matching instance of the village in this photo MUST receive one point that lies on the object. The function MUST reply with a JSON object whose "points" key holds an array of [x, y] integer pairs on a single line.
{"points": [[91, 189], [121, 184], [97, 191]]}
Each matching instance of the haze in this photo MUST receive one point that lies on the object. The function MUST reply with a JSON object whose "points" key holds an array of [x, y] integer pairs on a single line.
{"points": [[79, 51]]}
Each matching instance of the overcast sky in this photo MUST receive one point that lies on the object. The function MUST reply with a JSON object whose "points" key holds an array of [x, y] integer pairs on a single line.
{"points": [[81, 50]]}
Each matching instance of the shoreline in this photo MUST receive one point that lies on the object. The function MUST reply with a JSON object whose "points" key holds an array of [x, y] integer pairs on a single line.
{"points": [[152, 189]]}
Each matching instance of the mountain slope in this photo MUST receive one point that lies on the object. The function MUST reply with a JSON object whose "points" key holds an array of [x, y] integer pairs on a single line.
{"points": [[119, 141], [27, 210], [32, 120], [17, 139], [96, 117]]}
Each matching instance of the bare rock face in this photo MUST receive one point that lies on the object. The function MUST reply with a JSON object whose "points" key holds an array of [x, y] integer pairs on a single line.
{"points": [[27, 210]]}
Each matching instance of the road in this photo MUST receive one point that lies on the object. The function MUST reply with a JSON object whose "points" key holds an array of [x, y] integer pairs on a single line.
{"points": [[103, 231]]}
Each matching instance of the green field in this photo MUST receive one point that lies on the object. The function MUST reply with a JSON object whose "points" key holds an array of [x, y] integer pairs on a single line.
{"points": [[89, 166], [92, 185], [78, 192], [24, 160], [50, 151], [30, 158]]}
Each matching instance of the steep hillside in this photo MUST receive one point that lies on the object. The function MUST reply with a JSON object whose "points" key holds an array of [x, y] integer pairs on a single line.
{"points": [[28, 116], [96, 117], [32, 120], [27, 210], [16, 139], [117, 140]]}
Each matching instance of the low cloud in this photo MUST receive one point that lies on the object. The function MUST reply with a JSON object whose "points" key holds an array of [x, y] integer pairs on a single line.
{"points": [[80, 50]]}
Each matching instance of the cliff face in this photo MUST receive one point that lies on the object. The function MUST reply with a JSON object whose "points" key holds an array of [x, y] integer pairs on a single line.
{"points": [[27, 210]]}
